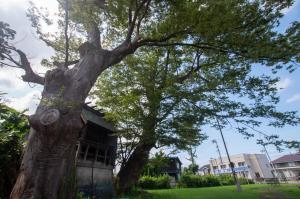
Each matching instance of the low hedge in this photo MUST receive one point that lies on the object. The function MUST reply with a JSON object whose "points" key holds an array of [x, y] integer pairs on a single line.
{"points": [[189, 181], [193, 181], [149, 182]]}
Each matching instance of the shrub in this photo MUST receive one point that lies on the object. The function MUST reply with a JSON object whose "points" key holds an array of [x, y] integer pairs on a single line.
{"points": [[226, 179], [149, 182], [211, 180], [193, 181], [189, 180], [146, 182], [13, 128]]}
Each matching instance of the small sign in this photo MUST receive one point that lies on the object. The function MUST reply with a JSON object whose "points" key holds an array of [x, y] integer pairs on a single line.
{"points": [[228, 170]]}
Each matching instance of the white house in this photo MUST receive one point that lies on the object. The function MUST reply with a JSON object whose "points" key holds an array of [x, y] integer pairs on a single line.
{"points": [[251, 166]]}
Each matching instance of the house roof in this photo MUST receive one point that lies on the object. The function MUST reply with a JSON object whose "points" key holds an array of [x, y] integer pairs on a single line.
{"points": [[204, 167], [287, 158], [96, 117], [176, 159]]}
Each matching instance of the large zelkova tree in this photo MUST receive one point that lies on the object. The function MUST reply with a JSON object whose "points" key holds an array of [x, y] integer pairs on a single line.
{"points": [[146, 99], [162, 97], [106, 32]]}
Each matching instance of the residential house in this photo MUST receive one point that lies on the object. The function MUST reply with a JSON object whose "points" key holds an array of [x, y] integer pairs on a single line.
{"points": [[205, 170], [251, 166], [288, 167]]}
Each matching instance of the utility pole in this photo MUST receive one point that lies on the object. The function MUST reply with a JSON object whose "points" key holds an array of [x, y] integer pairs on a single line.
{"points": [[218, 150], [272, 165], [238, 186]]}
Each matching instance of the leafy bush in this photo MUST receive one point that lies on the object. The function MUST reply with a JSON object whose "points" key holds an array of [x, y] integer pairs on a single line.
{"points": [[198, 181], [149, 182], [211, 180], [226, 179], [193, 181], [13, 128], [188, 180]]}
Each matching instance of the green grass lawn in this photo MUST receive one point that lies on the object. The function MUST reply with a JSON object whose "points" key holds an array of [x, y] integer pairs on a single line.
{"points": [[226, 192]]}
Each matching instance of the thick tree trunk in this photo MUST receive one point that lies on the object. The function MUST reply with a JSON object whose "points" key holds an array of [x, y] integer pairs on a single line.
{"points": [[131, 170], [47, 169]]}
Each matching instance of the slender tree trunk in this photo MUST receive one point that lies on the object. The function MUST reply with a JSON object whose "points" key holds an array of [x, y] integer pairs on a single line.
{"points": [[131, 170]]}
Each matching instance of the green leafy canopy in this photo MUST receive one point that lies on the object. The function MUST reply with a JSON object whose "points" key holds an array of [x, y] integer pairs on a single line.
{"points": [[238, 29], [13, 128]]}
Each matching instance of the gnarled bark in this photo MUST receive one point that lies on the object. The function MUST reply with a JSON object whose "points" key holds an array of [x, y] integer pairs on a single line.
{"points": [[47, 168], [48, 163]]}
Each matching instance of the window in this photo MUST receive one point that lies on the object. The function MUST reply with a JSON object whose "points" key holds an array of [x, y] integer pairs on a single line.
{"points": [[82, 151], [257, 175], [101, 156], [104, 156], [241, 164], [108, 156], [223, 166], [91, 154], [292, 164], [215, 167]]}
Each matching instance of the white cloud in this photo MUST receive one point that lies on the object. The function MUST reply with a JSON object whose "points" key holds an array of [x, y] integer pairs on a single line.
{"points": [[13, 12], [10, 78], [289, 9], [294, 98], [7, 5], [28, 101], [283, 84]]}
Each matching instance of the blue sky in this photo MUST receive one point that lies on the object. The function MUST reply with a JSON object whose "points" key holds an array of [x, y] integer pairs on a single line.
{"points": [[21, 95]]}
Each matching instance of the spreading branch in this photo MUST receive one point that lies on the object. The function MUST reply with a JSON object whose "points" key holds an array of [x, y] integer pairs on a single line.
{"points": [[193, 69], [152, 41], [133, 20], [30, 75], [141, 19], [66, 32], [161, 43]]}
